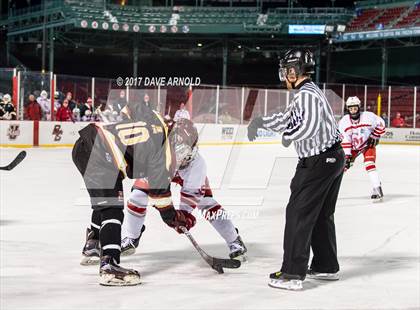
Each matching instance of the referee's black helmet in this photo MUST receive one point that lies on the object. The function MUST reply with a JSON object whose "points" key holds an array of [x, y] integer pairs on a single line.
{"points": [[301, 59]]}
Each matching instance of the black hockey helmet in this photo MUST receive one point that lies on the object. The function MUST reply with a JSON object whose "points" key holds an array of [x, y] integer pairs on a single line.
{"points": [[301, 59]]}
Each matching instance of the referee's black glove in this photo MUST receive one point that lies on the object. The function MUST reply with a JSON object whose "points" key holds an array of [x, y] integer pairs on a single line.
{"points": [[253, 128]]}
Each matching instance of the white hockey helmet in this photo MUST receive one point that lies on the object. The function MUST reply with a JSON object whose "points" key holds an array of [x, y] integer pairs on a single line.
{"points": [[352, 102]]}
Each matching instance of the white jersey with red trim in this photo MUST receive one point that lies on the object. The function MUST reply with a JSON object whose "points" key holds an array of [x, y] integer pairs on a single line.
{"points": [[194, 184], [356, 133]]}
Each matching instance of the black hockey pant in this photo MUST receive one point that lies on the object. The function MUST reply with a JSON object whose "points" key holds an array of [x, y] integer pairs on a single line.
{"points": [[310, 214], [104, 184]]}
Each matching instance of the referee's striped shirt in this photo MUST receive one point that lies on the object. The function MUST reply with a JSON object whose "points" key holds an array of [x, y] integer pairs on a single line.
{"points": [[308, 121]]}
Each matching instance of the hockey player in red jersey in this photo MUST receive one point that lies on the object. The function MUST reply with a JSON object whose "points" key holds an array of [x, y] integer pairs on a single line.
{"points": [[190, 172], [107, 153], [361, 132]]}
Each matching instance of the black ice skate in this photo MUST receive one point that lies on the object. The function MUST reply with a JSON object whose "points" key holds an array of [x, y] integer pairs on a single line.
{"points": [[377, 194], [91, 250], [111, 274], [237, 249], [129, 245], [285, 281], [327, 276]]}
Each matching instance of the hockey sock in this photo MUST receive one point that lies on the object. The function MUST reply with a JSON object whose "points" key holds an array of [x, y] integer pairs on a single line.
{"points": [[110, 233], [374, 178], [133, 224], [224, 226], [95, 224]]}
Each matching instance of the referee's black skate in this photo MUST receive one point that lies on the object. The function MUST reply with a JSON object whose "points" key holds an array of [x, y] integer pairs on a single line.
{"points": [[285, 281], [111, 274], [238, 249], [327, 276], [377, 194], [129, 245], [91, 250]]}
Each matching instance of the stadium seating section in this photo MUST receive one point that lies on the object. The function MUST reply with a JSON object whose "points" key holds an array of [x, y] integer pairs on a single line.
{"points": [[385, 18]]}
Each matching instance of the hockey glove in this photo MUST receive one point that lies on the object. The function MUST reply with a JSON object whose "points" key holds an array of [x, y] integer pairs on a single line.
{"points": [[253, 128], [372, 142], [176, 218], [349, 162]]}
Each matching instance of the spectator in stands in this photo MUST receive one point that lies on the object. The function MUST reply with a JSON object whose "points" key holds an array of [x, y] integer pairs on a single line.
{"points": [[45, 104], [398, 121], [181, 113], [57, 100], [32, 109], [119, 103], [72, 104], [64, 114], [7, 109], [87, 107], [226, 118], [385, 118], [146, 101]]}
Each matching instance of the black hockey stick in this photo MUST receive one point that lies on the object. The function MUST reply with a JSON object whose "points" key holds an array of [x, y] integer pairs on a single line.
{"points": [[15, 161], [216, 263]]}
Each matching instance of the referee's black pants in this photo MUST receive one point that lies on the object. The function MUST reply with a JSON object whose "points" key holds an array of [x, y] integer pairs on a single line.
{"points": [[310, 214]]}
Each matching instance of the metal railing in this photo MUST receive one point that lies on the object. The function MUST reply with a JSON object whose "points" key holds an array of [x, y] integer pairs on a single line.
{"points": [[209, 103]]}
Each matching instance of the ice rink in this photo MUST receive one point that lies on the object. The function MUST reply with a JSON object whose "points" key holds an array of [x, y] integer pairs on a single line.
{"points": [[44, 214]]}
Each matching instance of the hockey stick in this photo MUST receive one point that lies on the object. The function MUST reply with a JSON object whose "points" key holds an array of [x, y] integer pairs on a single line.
{"points": [[15, 162], [215, 263]]}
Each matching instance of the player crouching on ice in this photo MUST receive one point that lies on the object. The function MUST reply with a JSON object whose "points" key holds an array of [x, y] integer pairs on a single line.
{"points": [[191, 175], [107, 153], [361, 132]]}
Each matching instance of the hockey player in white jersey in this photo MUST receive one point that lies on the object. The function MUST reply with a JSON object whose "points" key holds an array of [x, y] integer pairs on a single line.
{"points": [[361, 132], [191, 175]]}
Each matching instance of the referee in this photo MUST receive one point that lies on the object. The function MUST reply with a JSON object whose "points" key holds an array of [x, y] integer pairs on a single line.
{"points": [[308, 121]]}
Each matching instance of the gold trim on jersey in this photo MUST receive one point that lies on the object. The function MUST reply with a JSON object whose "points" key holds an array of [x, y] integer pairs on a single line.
{"points": [[167, 146], [160, 202], [118, 156]]}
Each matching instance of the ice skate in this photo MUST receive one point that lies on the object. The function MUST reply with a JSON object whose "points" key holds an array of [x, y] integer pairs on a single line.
{"points": [[377, 194], [111, 274], [285, 281], [327, 276], [129, 245], [237, 249], [91, 250]]}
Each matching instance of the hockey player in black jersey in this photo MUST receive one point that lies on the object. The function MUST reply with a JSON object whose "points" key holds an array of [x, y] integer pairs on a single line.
{"points": [[107, 153]]}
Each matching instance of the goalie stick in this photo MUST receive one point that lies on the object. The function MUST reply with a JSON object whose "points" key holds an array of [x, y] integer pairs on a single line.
{"points": [[215, 263], [15, 161]]}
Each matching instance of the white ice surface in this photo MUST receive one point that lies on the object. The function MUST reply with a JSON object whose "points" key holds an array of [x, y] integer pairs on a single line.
{"points": [[44, 215]]}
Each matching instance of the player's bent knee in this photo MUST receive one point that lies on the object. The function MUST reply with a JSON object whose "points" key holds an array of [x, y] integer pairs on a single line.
{"points": [[137, 203], [210, 208]]}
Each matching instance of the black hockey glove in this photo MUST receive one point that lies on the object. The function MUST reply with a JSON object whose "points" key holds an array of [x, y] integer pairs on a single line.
{"points": [[253, 128], [372, 142], [349, 162]]}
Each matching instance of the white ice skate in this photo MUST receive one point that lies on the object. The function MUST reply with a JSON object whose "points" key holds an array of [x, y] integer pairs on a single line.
{"points": [[311, 274], [111, 274], [286, 282], [91, 250], [377, 194], [237, 250]]}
